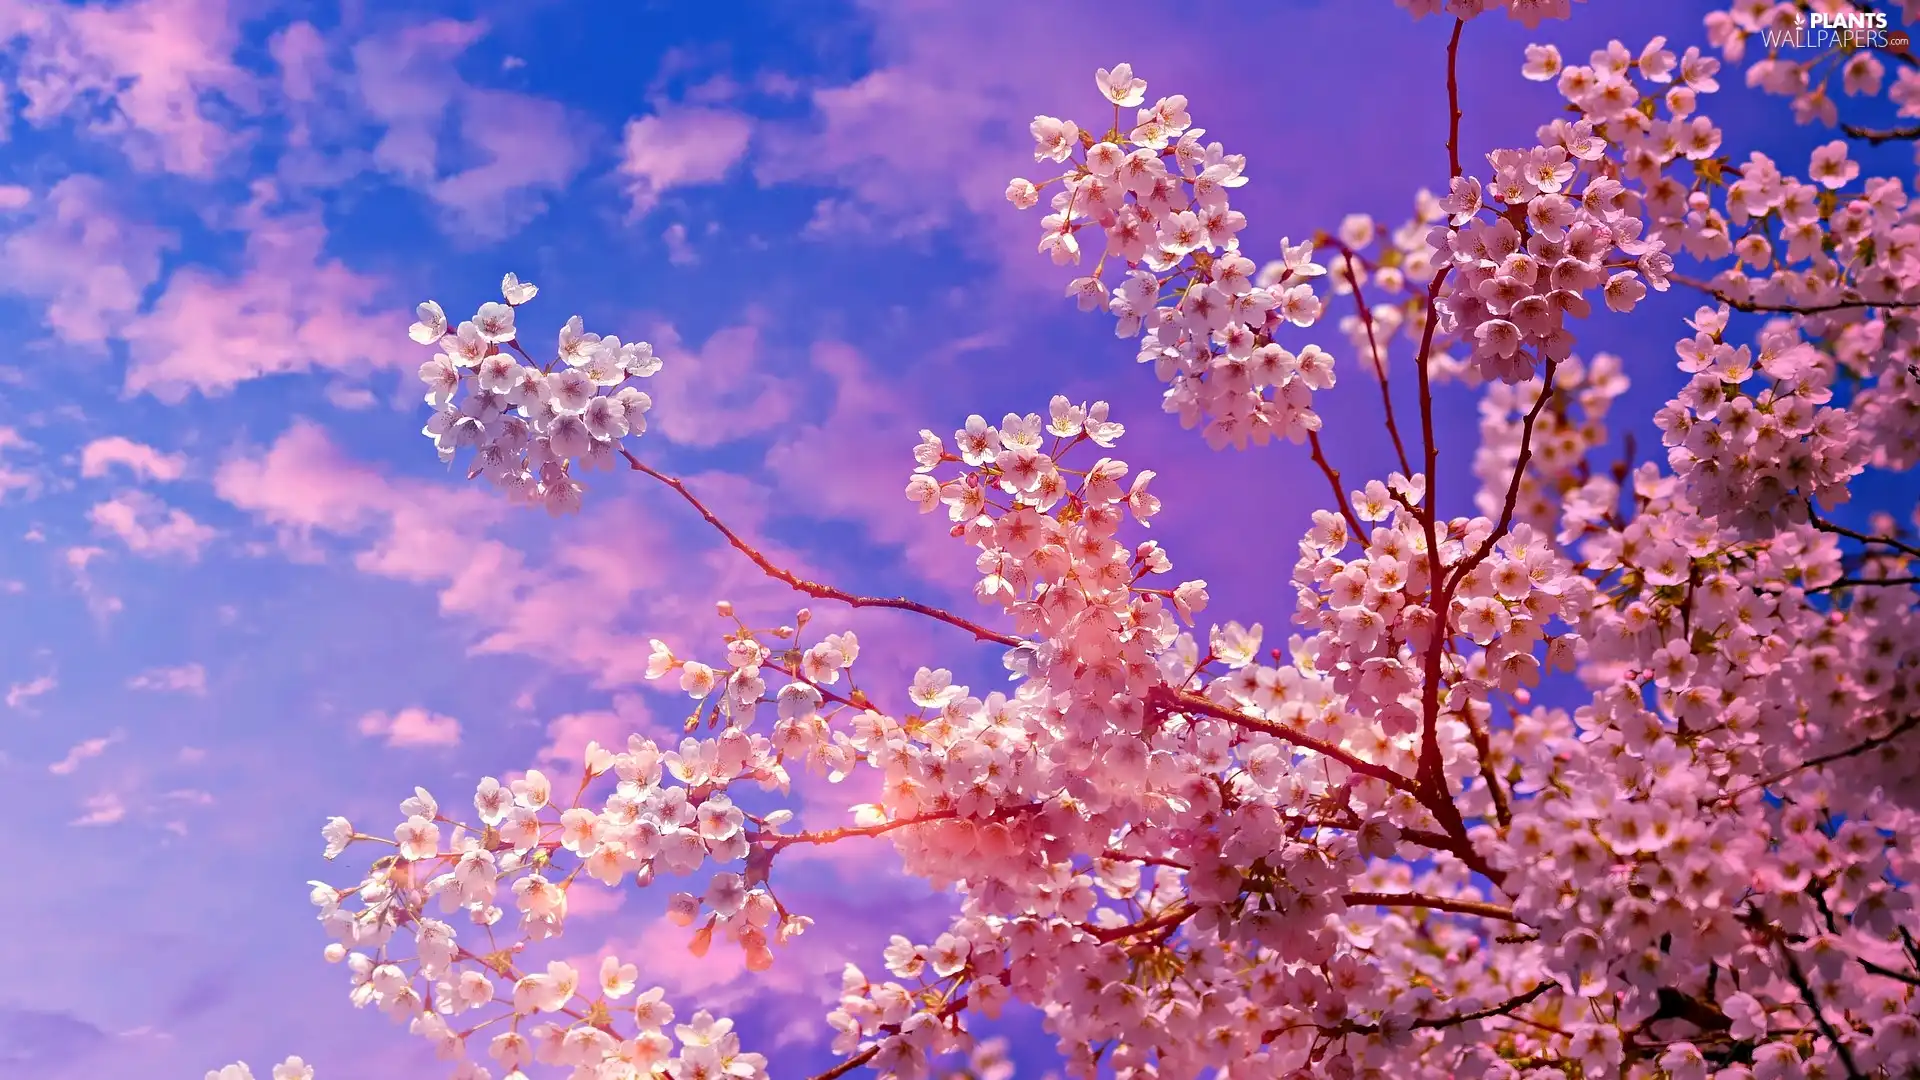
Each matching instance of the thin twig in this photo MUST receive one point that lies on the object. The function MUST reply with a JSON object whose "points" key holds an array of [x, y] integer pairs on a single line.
{"points": [[1855, 750], [1512, 503], [1379, 361], [1857, 583], [1193, 703], [1801, 984], [1866, 538], [1339, 490], [1876, 136], [1438, 903], [1788, 309], [813, 588]]}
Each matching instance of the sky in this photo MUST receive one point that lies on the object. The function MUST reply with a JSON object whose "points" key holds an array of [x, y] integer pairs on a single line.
{"points": [[239, 594]]}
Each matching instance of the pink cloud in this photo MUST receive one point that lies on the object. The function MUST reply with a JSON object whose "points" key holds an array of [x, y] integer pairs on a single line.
{"points": [[412, 727], [102, 809], [911, 153], [570, 609], [153, 63], [568, 735], [186, 679], [12, 480], [527, 145], [291, 309], [721, 392], [85, 261], [150, 527], [21, 693], [91, 748], [679, 252], [516, 149], [301, 52], [140, 459], [99, 602], [588, 899], [854, 464], [679, 147]]}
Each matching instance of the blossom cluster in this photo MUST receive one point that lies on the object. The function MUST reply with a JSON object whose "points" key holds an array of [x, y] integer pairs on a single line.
{"points": [[528, 422], [1160, 197]]}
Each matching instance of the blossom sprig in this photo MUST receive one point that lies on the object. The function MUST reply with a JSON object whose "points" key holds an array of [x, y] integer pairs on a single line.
{"points": [[529, 422], [1160, 197]]}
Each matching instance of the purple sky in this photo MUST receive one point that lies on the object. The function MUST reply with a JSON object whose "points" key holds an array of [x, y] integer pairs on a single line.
{"points": [[238, 593]]}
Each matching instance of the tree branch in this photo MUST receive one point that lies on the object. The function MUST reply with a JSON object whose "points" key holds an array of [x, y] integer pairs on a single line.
{"points": [[1339, 490], [1453, 104], [1866, 538], [1855, 750], [1437, 903], [1379, 361], [1788, 309], [1876, 136], [812, 588], [1187, 701], [1512, 503]]}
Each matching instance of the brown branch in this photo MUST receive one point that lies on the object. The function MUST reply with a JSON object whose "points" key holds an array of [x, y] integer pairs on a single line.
{"points": [[1860, 583], [1379, 362], [812, 588], [1339, 490], [1437, 903], [1434, 1023], [1487, 1013], [1483, 749], [1512, 503], [1807, 995], [1788, 309], [1166, 920], [1187, 701], [1855, 750], [1866, 538], [1876, 136]]}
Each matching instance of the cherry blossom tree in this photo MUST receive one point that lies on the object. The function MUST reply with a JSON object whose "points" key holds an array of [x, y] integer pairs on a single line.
{"points": [[1375, 851]]}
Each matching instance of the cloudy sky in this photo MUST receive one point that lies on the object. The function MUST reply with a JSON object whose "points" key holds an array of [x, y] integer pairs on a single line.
{"points": [[237, 591]]}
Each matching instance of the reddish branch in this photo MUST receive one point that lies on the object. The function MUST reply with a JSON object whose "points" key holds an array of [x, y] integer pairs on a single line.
{"points": [[1453, 105], [812, 588], [1431, 787], [1166, 920], [1339, 490], [1379, 361], [1186, 701], [1512, 503]]}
